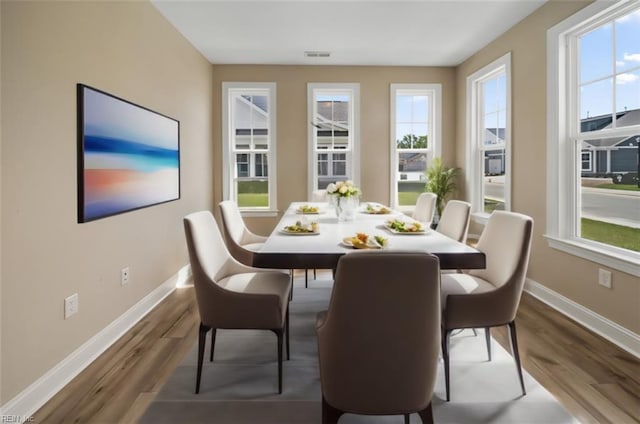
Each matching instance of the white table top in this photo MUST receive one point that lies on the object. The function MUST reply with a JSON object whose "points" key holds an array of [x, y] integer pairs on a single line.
{"points": [[324, 249]]}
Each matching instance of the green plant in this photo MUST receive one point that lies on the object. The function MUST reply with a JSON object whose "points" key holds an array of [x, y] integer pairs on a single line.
{"points": [[441, 180]]}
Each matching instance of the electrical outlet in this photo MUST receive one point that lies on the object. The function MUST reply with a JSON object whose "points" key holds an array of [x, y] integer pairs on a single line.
{"points": [[604, 278], [71, 304], [124, 276]]}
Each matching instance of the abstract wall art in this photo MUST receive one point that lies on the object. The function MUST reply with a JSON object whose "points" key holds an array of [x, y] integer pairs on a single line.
{"points": [[128, 156]]}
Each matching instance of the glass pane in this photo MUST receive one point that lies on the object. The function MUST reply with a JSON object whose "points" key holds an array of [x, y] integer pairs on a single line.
{"points": [[628, 42], [253, 193], [492, 134], [490, 95], [628, 99], [403, 108], [493, 184], [403, 134], [596, 101], [420, 130], [261, 166], [501, 85], [596, 54], [411, 177], [608, 213], [420, 109]]}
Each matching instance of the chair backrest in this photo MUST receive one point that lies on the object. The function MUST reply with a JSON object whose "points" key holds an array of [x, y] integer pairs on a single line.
{"points": [[425, 207], [234, 226], [319, 196], [209, 259], [506, 243], [454, 222], [378, 346]]}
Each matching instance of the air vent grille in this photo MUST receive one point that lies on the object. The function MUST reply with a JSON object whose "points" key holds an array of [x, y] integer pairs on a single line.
{"points": [[313, 53]]}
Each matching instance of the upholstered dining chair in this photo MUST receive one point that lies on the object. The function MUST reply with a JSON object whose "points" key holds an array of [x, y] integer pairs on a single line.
{"points": [[425, 207], [378, 340], [489, 297], [241, 242], [231, 295], [454, 222]]}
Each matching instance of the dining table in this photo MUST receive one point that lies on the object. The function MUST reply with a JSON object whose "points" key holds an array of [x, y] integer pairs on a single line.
{"points": [[322, 248]]}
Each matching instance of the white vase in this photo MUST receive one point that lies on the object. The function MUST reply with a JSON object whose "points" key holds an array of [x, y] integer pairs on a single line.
{"points": [[346, 207]]}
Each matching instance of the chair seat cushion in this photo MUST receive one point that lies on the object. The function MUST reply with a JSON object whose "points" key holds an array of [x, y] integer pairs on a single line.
{"points": [[462, 284]]}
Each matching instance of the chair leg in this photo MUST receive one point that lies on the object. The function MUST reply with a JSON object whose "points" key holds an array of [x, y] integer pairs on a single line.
{"points": [[306, 278], [202, 340], [487, 336], [213, 343], [279, 334], [330, 415], [315, 276], [291, 291], [426, 415], [475, 333], [406, 419], [286, 323], [446, 334], [516, 353]]}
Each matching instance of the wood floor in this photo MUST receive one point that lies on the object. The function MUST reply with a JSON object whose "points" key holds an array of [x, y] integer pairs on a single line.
{"points": [[595, 380]]}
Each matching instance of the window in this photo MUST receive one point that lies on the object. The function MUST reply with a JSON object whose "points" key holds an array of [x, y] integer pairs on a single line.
{"points": [[415, 139], [333, 114], [488, 179], [249, 122], [594, 130]]}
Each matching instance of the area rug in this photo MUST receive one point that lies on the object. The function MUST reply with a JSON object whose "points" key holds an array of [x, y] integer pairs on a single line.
{"points": [[240, 386]]}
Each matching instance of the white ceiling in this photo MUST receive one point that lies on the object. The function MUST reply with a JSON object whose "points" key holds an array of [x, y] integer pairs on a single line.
{"points": [[356, 32]]}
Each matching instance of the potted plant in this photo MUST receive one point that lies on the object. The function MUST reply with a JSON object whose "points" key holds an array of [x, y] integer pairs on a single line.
{"points": [[441, 180]]}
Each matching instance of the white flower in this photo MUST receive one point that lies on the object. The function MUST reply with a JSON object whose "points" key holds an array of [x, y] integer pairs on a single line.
{"points": [[343, 189], [331, 188]]}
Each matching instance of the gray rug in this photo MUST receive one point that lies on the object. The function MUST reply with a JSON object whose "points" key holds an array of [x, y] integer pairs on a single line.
{"points": [[240, 386]]}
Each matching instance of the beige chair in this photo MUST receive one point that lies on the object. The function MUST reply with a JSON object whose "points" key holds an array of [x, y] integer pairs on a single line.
{"points": [[425, 208], [378, 341], [454, 222], [231, 295], [319, 196], [489, 297], [241, 242]]}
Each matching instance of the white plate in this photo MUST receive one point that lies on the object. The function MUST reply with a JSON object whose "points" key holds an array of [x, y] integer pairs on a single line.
{"points": [[346, 242], [411, 233], [296, 233]]}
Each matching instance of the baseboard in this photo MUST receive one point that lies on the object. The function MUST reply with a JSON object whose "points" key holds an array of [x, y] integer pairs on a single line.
{"points": [[600, 325], [22, 407]]}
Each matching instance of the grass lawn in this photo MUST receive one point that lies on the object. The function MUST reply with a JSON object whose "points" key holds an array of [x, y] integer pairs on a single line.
{"points": [[629, 187], [615, 235], [492, 205], [407, 198], [253, 200]]}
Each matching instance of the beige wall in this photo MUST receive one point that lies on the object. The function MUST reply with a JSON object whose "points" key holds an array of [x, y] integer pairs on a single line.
{"points": [[291, 92], [127, 49], [568, 275]]}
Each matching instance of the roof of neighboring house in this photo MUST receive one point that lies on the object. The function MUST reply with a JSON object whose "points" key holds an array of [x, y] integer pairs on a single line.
{"points": [[331, 115], [623, 119]]}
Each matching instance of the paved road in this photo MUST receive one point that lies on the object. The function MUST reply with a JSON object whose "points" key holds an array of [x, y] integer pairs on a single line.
{"points": [[615, 206]]}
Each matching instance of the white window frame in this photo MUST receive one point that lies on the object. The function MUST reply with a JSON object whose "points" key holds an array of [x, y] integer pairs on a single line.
{"points": [[434, 141], [563, 194], [475, 149], [353, 89], [228, 151]]}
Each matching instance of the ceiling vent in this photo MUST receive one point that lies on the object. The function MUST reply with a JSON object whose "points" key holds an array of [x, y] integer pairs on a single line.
{"points": [[316, 54]]}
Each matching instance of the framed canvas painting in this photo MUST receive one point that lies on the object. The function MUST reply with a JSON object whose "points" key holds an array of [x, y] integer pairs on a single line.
{"points": [[128, 156]]}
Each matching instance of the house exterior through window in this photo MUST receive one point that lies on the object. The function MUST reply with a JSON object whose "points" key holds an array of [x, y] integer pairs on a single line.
{"points": [[594, 134], [333, 114], [488, 178], [415, 139], [249, 145]]}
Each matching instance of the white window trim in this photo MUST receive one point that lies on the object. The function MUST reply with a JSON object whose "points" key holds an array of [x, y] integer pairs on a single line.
{"points": [[312, 168], [227, 153], [436, 135], [561, 179], [474, 158]]}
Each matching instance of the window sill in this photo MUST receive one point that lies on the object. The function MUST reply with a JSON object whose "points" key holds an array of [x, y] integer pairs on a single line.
{"points": [[259, 213], [625, 263]]}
